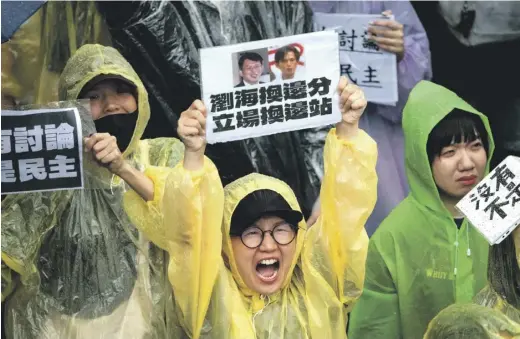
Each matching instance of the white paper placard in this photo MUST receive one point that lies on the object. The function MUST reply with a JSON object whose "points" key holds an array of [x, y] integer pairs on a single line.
{"points": [[238, 110], [493, 206], [361, 59]]}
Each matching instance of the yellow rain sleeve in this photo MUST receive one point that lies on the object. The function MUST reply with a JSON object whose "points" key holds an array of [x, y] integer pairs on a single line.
{"points": [[336, 246], [185, 219]]}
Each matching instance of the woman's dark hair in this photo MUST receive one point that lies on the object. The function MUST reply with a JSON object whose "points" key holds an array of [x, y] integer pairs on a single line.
{"points": [[503, 271], [458, 125]]}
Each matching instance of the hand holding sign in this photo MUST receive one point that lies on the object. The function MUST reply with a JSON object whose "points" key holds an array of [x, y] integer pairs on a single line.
{"points": [[352, 104], [105, 150], [192, 131], [389, 35]]}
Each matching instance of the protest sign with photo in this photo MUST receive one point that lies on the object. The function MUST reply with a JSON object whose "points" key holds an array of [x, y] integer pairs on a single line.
{"points": [[493, 206], [41, 150], [296, 96], [371, 68]]}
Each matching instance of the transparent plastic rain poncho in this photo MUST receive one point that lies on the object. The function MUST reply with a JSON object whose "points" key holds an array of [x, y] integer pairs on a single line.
{"points": [[471, 321], [73, 265], [34, 57], [161, 40], [191, 220], [503, 290]]}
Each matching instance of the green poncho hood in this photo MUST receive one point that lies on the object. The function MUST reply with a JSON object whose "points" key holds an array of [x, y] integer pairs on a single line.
{"points": [[419, 262], [427, 105]]}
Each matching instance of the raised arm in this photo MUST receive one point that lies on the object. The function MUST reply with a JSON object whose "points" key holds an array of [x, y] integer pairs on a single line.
{"points": [[184, 218], [106, 152], [336, 246]]}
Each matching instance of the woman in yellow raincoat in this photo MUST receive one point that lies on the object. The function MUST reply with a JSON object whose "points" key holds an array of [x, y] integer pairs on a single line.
{"points": [[73, 265], [243, 264]]}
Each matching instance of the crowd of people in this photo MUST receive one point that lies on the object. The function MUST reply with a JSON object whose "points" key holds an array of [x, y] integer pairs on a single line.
{"points": [[158, 245]]}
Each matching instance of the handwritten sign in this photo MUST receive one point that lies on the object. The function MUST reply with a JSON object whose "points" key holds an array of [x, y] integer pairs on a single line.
{"points": [[242, 103], [361, 59], [41, 150], [493, 206]]}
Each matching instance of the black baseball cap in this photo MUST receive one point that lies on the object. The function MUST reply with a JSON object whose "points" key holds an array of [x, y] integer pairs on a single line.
{"points": [[102, 77], [262, 203]]}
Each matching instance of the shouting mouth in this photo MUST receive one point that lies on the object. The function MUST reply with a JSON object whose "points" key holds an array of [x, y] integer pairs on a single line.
{"points": [[267, 270]]}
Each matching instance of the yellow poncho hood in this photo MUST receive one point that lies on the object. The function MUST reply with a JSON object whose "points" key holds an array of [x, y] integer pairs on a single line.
{"points": [[234, 193], [91, 61]]}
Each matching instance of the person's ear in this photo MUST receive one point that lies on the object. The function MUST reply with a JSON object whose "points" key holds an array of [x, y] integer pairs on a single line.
{"points": [[241, 74]]}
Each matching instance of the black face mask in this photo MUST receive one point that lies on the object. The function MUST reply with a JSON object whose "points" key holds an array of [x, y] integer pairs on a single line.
{"points": [[121, 126]]}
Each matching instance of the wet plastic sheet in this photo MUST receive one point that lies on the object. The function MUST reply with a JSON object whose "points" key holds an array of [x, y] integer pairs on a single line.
{"points": [[161, 40]]}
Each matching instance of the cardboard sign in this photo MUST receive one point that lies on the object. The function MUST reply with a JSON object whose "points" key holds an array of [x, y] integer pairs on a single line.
{"points": [[41, 150], [270, 86], [493, 206], [370, 67]]}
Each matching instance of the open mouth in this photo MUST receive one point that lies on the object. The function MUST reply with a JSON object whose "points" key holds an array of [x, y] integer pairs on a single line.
{"points": [[267, 269]]}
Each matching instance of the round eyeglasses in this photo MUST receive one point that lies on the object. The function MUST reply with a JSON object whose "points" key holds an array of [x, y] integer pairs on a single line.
{"points": [[282, 234]]}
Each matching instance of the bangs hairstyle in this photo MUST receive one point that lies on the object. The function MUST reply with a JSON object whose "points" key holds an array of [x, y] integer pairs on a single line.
{"points": [[457, 126]]}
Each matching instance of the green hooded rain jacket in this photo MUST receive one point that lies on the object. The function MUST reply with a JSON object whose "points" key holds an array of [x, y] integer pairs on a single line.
{"points": [[418, 261]]}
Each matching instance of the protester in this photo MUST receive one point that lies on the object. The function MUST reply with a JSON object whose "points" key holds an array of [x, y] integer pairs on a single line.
{"points": [[503, 290], [480, 35], [251, 66], [73, 265], [274, 278], [425, 255], [286, 59], [405, 37], [470, 321]]}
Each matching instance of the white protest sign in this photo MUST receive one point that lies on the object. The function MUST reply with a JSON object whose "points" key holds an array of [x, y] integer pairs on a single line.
{"points": [[270, 86], [371, 68], [41, 150], [493, 206]]}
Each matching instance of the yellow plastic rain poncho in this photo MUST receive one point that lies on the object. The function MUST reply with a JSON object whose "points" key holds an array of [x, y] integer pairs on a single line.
{"points": [[326, 277], [73, 265], [471, 321]]}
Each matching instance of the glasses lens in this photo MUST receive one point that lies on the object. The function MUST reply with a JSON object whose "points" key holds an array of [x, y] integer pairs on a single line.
{"points": [[252, 237], [284, 234]]}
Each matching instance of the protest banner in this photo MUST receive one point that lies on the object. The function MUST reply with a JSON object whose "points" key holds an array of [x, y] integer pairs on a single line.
{"points": [[41, 150], [370, 67], [245, 98], [493, 206]]}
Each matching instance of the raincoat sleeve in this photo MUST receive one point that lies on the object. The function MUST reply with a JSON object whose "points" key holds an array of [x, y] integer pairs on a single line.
{"points": [[25, 220], [376, 315], [185, 219], [336, 246], [416, 63], [164, 152]]}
